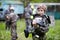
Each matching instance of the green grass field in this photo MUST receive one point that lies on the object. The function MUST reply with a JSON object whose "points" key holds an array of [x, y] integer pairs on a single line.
{"points": [[53, 33]]}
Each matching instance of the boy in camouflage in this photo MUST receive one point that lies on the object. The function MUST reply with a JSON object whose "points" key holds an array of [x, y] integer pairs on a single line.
{"points": [[40, 23]]}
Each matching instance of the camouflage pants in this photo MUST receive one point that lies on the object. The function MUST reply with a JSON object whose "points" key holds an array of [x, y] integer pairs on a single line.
{"points": [[42, 36], [28, 24], [13, 31]]}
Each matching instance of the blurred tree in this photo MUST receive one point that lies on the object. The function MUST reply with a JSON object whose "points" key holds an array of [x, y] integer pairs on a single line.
{"points": [[36, 1], [25, 2], [52, 1]]}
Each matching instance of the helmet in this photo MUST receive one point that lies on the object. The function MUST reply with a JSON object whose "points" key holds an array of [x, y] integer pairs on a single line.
{"points": [[42, 6], [11, 8]]}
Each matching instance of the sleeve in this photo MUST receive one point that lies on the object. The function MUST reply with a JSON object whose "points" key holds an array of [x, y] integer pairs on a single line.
{"points": [[49, 21], [30, 11]]}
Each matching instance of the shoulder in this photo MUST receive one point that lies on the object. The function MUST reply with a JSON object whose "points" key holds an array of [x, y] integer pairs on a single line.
{"points": [[46, 16], [36, 15]]}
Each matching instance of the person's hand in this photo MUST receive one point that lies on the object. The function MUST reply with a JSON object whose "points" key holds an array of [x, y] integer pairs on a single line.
{"points": [[7, 17], [34, 23]]}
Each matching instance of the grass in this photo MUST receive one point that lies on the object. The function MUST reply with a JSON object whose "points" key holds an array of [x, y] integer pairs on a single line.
{"points": [[53, 33]]}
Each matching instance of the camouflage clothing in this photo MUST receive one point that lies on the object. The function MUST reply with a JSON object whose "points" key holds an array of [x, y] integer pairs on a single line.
{"points": [[42, 26], [28, 13], [13, 18]]}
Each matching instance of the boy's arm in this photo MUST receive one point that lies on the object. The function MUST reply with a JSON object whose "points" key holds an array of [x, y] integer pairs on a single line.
{"points": [[49, 20]]}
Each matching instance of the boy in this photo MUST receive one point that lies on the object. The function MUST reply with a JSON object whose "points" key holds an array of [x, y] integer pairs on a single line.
{"points": [[41, 19]]}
